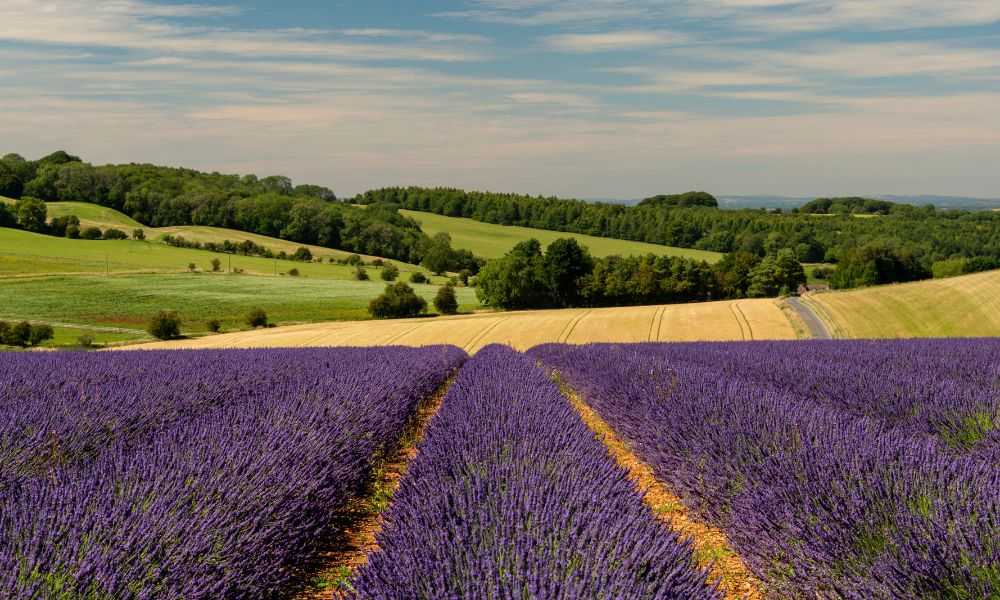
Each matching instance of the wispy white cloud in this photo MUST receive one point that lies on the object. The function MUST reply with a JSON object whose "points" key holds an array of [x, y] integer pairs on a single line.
{"points": [[614, 40], [763, 15], [139, 26], [122, 80]]}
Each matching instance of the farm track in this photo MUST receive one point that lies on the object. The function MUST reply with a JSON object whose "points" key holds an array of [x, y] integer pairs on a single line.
{"points": [[817, 326], [79, 326], [712, 549], [357, 524]]}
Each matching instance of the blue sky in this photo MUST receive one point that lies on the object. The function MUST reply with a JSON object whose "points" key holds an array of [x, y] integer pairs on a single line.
{"points": [[584, 98]]}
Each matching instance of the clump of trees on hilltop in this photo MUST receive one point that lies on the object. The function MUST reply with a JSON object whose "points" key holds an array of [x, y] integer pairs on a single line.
{"points": [[273, 206]]}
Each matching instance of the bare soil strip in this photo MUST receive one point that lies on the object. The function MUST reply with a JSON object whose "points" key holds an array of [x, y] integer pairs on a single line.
{"points": [[357, 524], [712, 549]]}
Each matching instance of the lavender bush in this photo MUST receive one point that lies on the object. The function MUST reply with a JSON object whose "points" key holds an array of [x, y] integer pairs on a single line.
{"points": [[512, 496], [191, 474], [837, 469]]}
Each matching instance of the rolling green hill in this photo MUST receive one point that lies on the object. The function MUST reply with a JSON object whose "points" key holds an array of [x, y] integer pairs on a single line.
{"points": [[493, 241], [23, 253], [99, 216]]}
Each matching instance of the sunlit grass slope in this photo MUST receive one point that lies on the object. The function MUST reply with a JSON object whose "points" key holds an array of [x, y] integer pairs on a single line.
{"points": [[493, 241], [24, 253], [967, 306], [99, 216]]}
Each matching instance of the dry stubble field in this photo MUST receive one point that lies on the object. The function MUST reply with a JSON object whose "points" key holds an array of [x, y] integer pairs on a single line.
{"points": [[707, 321]]}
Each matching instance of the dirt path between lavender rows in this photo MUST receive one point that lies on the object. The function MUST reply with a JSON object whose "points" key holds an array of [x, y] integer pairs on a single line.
{"points": [[358, 523], [710, 544]]}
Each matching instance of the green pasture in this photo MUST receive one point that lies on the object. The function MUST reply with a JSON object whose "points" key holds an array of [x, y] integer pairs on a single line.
{"points": [[129, 300], [493, 241], [99, 216], [23, 253]]}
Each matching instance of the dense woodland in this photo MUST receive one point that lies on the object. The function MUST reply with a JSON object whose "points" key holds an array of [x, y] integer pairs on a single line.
{"points": [[825, 230]]}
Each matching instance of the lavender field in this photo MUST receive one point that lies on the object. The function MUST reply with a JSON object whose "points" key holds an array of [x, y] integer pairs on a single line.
{"points": [[856, 469], [512, 496], [190, 474], [846, 470]]}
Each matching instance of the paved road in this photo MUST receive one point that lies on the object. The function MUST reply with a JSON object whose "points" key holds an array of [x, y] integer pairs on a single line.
{"points": [[817, 328]]}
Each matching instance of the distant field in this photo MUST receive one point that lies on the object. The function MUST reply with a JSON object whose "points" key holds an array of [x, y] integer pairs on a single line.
{"points": [[24, 253], [729, 320], [967, 306], [493, 241], [129, 300], [99, 216]]}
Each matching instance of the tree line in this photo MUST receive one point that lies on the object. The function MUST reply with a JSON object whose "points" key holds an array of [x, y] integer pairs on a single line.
{"points": [[825, 230], [565, 275]]}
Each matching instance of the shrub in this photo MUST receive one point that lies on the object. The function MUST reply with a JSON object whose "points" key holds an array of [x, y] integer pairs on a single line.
{"points": [[114, 234], [73, 232], [256, 318], [58, 225], [418, 277], [353, 260], [91, 233], [390, 273], [30, 213], [822, 273], [39, 333], [20, 334], [24, 334], [302, 254], [360, 274], [463, 276], [191, 267], [216, 265], [213, 325], [378, 262], [138, 234], [166, 325], [398, 300], [85, 339], [293, 272], [445, 301]]}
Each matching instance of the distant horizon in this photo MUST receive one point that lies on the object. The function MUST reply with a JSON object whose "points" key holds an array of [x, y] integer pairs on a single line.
{"points": [[581, 98]]}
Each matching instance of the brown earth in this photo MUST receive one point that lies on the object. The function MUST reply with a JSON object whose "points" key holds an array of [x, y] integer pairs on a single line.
{"points": [[359, 522], [711, 548]]}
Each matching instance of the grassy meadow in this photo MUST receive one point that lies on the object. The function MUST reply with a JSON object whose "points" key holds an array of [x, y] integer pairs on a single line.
{"points": [[493, 241], [99, 216], [25, 253], [128, 300]]}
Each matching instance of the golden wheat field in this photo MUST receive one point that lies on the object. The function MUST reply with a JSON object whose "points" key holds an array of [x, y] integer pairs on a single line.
{"points": [[967, 306], [719, 321]]}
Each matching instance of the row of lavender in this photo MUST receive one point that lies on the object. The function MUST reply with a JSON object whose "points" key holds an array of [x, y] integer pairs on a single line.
{"points": [[512, 496], [948, 390], [190, 474], [838, 469]]}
